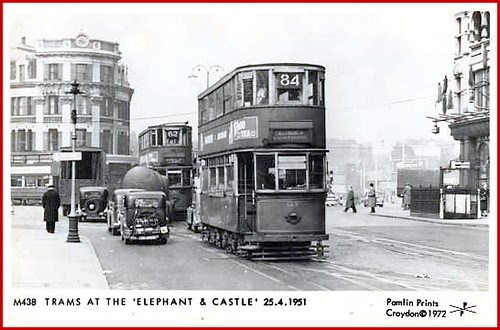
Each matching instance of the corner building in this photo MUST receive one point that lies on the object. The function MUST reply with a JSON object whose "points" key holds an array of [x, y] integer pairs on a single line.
{"points": [[470, 118], [40, 110]]}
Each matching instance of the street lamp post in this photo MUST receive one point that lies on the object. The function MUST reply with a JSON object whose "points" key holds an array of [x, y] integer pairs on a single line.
{"points": [[200, 68], [73, 217]]}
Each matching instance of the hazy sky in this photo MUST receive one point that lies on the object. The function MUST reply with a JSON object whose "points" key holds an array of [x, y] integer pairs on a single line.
{"points": [[383, 61]]}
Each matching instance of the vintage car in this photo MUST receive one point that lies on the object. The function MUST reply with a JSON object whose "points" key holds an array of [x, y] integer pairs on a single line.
{"points": [[93, 203], [116, 209], [145, 217]]}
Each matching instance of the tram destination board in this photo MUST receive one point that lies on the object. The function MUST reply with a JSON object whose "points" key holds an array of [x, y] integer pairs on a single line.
{"points": [[291, 135]]}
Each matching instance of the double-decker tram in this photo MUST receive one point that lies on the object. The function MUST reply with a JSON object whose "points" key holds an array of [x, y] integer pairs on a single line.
{"points": [[167, 149], [263, 165]]}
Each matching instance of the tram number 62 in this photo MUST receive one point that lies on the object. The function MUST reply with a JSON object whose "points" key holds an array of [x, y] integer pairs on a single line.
{"points": [[289, 80]]}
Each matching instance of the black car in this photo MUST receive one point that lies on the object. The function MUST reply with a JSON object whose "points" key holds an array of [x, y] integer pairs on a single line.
{"points": [[93, 203], [145, 217], [116, 209]]}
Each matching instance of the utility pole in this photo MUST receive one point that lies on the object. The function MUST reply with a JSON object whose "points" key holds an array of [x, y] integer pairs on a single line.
{"points": [[73, 217]]}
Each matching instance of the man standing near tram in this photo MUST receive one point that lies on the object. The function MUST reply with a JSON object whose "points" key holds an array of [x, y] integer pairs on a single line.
{"points": [[51, 202]]}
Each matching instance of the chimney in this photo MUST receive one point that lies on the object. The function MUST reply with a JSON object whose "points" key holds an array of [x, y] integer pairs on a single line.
{"points": [[23, 40]]}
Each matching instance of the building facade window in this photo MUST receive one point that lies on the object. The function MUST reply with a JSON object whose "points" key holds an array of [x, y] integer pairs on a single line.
{"points": [[22, 73], [82, 138], [32, 69], [123, 143], [52, 140], [53, 72], [51, 105], [107, 107], [83, 106], [107, 75], [123, 110], [106, 141], [12, 70], [81, 72], [14, 106], [481, 90]]}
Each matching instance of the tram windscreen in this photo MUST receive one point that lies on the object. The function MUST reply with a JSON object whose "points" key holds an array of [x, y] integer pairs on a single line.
{"points": [[316, 171], [174, 178], [266, 172], [292, 172]]}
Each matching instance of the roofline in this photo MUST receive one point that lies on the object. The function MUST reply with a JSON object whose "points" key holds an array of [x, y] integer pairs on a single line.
{"points": [[228, 76]]}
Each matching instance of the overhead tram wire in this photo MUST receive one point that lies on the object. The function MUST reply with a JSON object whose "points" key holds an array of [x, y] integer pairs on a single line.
{"points": [[367, 106], [142, 118], [334, 108]]}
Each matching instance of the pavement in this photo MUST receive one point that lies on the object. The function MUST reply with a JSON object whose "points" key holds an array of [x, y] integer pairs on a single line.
{"points": [[43, 260], [396, 211]]}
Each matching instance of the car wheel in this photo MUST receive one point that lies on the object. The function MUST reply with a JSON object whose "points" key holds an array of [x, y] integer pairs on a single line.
{"points": [[127, 241]]}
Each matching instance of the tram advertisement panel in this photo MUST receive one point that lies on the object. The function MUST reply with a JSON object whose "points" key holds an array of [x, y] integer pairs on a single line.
{"points": [[246, 128]]}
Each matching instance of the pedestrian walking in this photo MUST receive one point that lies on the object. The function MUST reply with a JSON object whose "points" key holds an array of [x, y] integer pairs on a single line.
{"points": [[406, 196], [350, 200], [51, 202], [372, 197], [484, 195]]}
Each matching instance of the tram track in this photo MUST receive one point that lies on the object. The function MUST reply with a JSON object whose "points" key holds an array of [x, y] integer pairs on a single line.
{"points": [[410, 248], [317, 274]]}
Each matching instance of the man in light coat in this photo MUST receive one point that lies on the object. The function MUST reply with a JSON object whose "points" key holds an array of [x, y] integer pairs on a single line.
{"points": [[372, 198]]}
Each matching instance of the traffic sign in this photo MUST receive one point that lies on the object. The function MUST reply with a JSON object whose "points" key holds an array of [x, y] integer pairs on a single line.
{"points": [[459, 165], [66, 156]]}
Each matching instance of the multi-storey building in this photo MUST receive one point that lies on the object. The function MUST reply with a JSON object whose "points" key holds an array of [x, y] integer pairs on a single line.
{"points": [[40, 112], [470, 118]]}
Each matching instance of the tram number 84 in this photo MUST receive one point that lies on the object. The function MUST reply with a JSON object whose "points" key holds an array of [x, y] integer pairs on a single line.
{"points": [[288, 80]]}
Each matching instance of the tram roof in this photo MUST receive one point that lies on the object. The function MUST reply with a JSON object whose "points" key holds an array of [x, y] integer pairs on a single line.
{"points": [[172, 124], [254, 66]]}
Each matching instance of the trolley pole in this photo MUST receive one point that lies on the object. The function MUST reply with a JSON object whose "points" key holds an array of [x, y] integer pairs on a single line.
{"points": [[201, 68], [73, 217]]}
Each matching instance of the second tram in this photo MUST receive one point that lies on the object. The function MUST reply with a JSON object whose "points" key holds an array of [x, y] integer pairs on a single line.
{"points": [[167, 149], [263, 165]]}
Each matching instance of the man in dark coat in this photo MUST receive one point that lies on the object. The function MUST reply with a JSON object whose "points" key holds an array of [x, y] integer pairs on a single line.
{"points": [[406, 197], [350, 200], [51, 202]]}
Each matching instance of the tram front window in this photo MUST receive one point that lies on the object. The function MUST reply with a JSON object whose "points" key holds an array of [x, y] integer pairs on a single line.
{"points": [[174, 178], [266, 170], [292, 172], [316, 170]]}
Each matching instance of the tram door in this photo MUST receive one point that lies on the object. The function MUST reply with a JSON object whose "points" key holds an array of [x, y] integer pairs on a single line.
{"points": [[246, 192]]}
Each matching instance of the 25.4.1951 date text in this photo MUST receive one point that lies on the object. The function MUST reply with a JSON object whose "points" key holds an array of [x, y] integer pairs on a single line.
{"points": [[285, 302]]}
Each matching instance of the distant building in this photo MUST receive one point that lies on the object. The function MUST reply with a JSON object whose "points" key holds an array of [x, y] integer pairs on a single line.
{"points": [[40, 107]]}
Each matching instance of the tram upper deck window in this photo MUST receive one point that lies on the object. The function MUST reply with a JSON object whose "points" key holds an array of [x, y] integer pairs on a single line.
{"points": [[174, 178], [292, 172], [289, 87], [244, 89], [228, 91], [312, 88], [262, 96]]}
